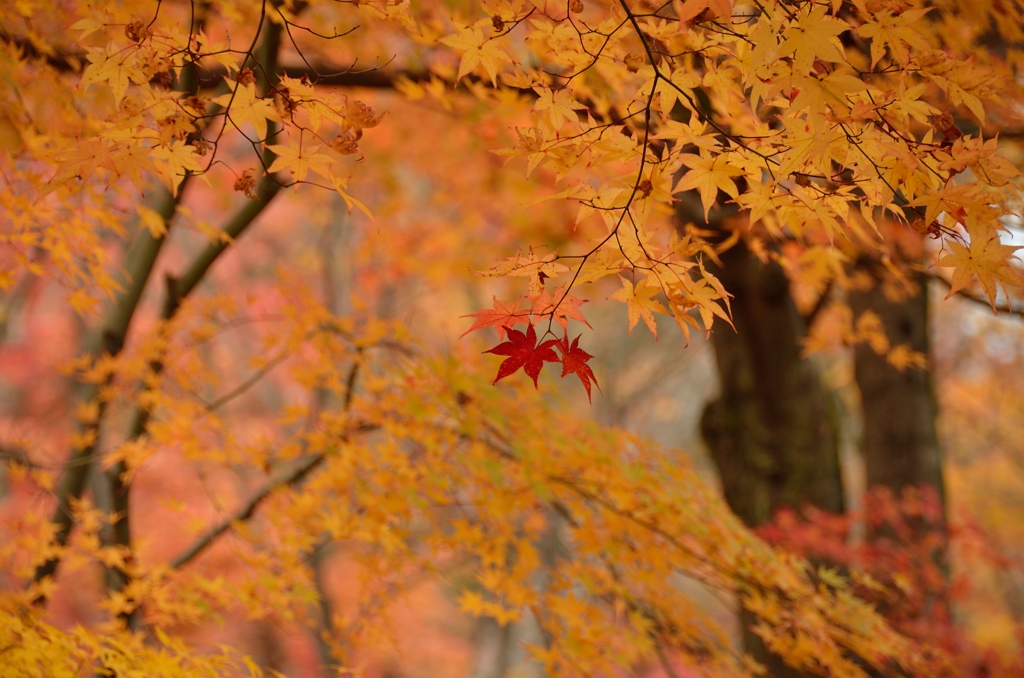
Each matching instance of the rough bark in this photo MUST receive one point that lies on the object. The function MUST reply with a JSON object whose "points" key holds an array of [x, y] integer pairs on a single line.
{"points": [[900, 444], [772, 430]]}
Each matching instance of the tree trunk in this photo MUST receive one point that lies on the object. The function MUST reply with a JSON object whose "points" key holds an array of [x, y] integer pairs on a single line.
{"points": [[772, 432], [900, 444]]}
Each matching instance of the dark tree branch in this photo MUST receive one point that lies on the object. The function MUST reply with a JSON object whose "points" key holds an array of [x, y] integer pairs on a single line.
{"points": [[266, 56], [1005, 307], [74, 61], [283, 479], [107, 339]]}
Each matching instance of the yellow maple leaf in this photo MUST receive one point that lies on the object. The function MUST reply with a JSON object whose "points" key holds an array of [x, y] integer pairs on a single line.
{"points": [[83, 303], [340, 185], [531, 266], [177, 159], [606, 262], [244, 106], [707, 175], [902, 356], [133, 160], [152, 221], [111, 66], [814, 35], [676, 88], [985, 258], [477, 50], [300, 159], [87, 26], [702, 295], [949, 199], [79, 160], [897, 31], [761, 200], [560, 105], [640, 303]]}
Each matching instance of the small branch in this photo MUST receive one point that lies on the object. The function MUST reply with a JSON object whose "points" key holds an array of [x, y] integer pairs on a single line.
{"points": [[184, 284], [73, 61], [1005, 307], [248, 383], [18, 455], [283, 479], [325, 629], [663, 660], [266, 56], [286, 478]]}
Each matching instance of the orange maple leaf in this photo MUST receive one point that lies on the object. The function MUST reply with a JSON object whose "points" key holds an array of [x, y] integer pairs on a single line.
{"points": [[694, 10], [477, 50], [566, 307], [501, 316], [814, 35], [708, 174], [640, 303]]}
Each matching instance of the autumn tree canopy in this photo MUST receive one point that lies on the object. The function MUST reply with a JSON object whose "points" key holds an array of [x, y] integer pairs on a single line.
{"points": [[545, 145]]}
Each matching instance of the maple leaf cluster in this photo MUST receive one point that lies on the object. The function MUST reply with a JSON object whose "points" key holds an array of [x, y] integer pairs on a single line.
{"points": [[525, 353], [521, 348]]}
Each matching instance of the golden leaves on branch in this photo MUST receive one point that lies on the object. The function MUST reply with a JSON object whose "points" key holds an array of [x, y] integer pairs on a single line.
{"points": [[477, 50], [812, 139]]}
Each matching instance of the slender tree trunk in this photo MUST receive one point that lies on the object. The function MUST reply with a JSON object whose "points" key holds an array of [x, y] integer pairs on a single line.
{"points": [[772, 432]]}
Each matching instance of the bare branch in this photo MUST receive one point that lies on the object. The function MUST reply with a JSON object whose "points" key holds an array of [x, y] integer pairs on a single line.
{"points": [[14, 454], [253, 379], [375, 77], [282, 479]]}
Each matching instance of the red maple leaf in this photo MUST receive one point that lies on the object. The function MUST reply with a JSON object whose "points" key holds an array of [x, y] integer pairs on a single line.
{"points": [[522, 351], [574, 361], [498, 317]]}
